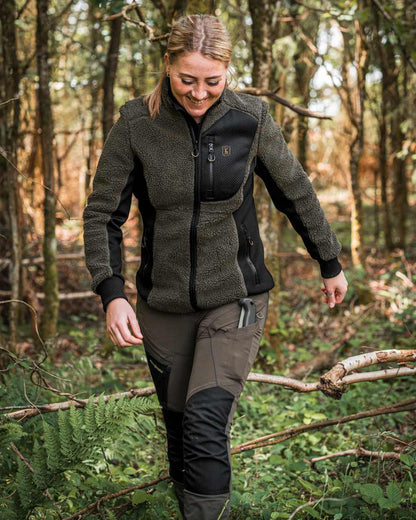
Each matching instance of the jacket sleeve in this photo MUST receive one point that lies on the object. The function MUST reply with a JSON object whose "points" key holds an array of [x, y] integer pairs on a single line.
{"points": [[293, 194], [107, 209]]}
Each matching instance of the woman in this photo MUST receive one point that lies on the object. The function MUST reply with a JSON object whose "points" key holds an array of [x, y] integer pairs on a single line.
{"points": [[188, 152]]}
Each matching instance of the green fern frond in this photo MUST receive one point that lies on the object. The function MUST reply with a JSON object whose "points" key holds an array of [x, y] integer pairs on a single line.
{"points": [[41, 473], [25, 484], [65, 435], [89, 417], [52, 446]]}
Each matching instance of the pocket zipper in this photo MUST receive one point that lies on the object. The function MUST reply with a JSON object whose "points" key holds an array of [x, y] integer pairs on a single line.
{"points": [[211, 159], [250, 243], [144, 245], [154, 364]]}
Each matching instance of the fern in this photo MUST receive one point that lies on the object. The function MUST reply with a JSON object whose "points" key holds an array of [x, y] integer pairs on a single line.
{"points": [[52, 445], [65, 436], [72, 440], [25, 484], [89, 415]]}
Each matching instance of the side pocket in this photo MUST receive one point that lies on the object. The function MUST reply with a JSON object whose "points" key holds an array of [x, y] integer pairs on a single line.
{"points": [[234, 352], [160, 373], [249, 243]]}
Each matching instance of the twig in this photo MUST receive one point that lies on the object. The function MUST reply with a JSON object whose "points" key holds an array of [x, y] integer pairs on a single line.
{"points": [[54, 407], [3, 153], [279, 99], [28, 465], [277, 437], [97, 504], [315, 502], [358, 452]]}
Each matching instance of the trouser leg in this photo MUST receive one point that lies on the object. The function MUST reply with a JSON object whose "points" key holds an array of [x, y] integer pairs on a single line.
{"points": [[199, 363], [222, 361]]}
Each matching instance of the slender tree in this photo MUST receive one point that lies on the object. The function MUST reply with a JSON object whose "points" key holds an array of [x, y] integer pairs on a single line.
{"points": [[50, 284], [9, 126]]}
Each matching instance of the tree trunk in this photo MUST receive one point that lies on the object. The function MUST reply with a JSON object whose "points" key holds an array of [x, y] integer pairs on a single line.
{"points": [[400, 192], [261, 46], [110, 71], [8, 139], [50, 285], [354, 101], [93, 109], [386, 80]]}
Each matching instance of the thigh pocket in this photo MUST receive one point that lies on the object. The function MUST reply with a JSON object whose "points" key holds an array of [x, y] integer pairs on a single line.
{"points": [[160, 373], [234, 351]]}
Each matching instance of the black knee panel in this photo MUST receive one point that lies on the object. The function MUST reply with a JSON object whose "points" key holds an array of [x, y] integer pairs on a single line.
{"points": [[174, 430], [205, 441]]}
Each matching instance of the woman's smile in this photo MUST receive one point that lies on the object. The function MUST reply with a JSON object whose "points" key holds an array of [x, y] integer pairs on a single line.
{"points": [[196, 81]]}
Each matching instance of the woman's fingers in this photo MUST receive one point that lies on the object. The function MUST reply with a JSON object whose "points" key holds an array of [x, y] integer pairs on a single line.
{"points": [[134, 325], [119, 315], [335, 289]]}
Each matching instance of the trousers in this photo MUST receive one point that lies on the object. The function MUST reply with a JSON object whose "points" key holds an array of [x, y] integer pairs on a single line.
{"points": [[199, 362]]}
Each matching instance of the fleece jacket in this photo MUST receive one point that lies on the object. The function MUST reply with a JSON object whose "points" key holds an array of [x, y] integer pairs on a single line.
{"points": [[201, 245]]}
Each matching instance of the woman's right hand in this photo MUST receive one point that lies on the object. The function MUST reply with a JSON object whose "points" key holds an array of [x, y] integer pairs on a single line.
{"points": [[119, 316]]}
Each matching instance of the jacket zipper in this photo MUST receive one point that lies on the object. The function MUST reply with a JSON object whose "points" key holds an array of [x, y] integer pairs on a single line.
{"points": [[196, 143], [145, 266], [211, 159], [250, 243]]}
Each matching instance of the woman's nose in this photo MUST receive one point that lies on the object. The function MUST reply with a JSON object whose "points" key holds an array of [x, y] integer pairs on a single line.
{"points": [[198, 93]]}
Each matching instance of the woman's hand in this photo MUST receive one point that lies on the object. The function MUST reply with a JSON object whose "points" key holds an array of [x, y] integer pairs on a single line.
{"points": [[120, 315], [335, 289]]}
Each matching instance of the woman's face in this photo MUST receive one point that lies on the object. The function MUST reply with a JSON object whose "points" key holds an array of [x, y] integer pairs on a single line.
{"points": [[196, 81]]}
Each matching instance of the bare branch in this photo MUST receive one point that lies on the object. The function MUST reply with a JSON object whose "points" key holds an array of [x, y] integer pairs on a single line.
{"points": [[358, 452], [272, 95], [79, 403], [333, 384], [276, 438], [141, 23]]}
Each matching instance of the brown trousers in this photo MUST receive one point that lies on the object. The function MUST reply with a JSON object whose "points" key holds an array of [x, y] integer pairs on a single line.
{"points": [[199, 362]]}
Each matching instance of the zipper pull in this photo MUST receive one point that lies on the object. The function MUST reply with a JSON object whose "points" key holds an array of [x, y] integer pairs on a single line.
{"points": [[211, 155], [195, 151]]}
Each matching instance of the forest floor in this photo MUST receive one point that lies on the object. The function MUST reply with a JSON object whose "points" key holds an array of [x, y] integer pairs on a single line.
{"points": [[273, 482]]}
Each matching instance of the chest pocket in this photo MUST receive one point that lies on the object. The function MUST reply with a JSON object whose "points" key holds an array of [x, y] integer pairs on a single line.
{"points": [[224, 154]]}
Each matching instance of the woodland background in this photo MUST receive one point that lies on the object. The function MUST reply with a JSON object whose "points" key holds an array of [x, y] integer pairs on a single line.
{"points": [[340, 80]]}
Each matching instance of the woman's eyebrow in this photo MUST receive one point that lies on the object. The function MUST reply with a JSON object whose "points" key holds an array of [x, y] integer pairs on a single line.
{"points": [[193, 77]]}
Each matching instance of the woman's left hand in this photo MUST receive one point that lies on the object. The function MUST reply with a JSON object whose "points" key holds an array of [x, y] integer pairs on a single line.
{"points": [[334, 289]]}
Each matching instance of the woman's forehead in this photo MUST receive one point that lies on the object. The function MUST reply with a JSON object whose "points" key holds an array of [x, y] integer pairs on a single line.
{"points": [[196, 64]]}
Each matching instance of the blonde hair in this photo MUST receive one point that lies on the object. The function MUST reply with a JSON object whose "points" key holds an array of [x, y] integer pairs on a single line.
{"points": [[202, 33]]}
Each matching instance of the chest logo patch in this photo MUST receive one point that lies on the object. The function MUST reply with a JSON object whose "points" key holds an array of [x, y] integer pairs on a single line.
{"points": [[226, 150]]}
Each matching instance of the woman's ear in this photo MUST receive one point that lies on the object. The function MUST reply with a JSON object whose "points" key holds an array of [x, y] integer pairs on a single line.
{"points": [[166, 58]]}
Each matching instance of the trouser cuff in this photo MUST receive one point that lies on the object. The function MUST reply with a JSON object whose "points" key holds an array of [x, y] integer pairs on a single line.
{"points": [[206, 507]]}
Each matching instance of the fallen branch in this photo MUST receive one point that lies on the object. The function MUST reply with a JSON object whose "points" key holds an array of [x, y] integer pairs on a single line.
{"points": [[333, 384], [79, 403], [358, 452], [277, 437]]}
